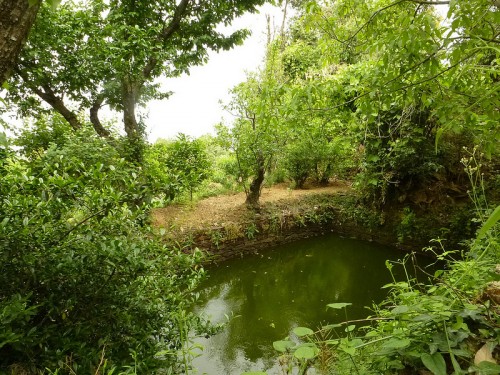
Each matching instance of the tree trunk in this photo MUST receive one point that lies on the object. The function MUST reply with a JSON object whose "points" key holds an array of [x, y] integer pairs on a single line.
{"points": [[130, 97], [16, 19], [94, 118], [253, 194]]}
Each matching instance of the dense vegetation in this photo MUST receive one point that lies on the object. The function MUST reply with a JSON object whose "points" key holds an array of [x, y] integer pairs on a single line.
{"points": [[385, 90], [82, 274], [406, 104], [390, 95]]}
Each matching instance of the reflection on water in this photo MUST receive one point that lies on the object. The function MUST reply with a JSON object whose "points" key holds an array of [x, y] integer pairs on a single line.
{"points": [[284, 288]]}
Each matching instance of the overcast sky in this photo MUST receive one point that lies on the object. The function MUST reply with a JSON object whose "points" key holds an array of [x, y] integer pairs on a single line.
{"points": [[194, 107]]}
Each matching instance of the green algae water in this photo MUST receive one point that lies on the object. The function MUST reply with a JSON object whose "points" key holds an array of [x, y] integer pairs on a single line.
{"points": [[267, 295]]}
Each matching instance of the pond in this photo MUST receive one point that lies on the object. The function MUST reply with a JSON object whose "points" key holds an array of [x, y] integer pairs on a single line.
{"points": [[267, 295]]}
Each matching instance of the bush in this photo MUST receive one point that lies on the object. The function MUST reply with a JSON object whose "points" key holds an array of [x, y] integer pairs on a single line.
{"points": [[79, 271], [174, 167], [311, 157], [298, 163]]}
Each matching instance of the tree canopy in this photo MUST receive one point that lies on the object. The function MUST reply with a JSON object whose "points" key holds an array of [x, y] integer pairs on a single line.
{"points": [[389, 82], [87, 55]]}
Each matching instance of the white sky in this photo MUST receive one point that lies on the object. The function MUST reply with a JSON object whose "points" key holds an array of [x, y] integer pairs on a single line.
{"points": [[194, 107]]}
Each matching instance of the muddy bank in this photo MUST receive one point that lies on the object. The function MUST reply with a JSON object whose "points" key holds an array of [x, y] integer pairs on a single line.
{"points": [[285, 221]]}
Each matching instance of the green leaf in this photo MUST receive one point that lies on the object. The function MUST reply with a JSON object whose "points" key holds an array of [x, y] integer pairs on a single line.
{"points": [[350, 328], [488, 368], [355, 342], [400, 310], [283, 345], [306, 352], [348, 349], [54, 3], [396, 343], [3, 139], [302, 331], [456, 365], [435, 363], [338, 305], [492, 220], [439, 133], [254, 373], [332, 342]]}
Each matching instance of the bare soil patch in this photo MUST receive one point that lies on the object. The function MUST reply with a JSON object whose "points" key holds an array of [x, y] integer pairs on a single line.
{"points": [[224, 209]]}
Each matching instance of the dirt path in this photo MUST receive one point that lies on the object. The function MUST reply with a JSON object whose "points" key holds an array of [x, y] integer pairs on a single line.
{"points": [[223, 209]]}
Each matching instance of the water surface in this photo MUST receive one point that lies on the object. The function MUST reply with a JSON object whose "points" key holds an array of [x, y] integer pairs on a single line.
{"points": [[270, 294]]}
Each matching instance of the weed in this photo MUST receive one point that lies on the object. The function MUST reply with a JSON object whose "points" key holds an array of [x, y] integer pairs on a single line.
{"points": [[216, 237], [407, 225], [251, 230]]}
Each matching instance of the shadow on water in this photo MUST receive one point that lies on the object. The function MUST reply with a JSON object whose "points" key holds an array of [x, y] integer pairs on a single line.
{"points": [[288, 286]]}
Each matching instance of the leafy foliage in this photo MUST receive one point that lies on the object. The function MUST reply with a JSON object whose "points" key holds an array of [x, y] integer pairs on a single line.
{"points": [[81, 273], [177, 166], [45, 131], [109, 53]]}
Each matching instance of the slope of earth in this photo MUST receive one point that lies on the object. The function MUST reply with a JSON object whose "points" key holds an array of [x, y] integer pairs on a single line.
{"points": [[229, 209]]}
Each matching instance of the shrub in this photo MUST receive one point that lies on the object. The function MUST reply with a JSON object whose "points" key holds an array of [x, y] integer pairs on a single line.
{"points": [[79, 271], [177, 166]]}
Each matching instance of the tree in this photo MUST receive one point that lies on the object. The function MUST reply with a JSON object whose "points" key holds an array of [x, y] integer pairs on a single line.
{"points": [[189, 159], [110, 53], [177, 166], [16, 19], [254, 137]]}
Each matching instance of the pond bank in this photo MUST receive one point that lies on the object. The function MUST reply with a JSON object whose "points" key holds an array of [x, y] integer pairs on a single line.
{"points": [[229, 229]]}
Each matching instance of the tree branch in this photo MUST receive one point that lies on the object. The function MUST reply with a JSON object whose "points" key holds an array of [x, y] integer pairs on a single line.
{"points": [[435, 75], [430, 2], [166, 33], [372, 17], [56, 102], [94, 117], [378, 11], [399, 88]]}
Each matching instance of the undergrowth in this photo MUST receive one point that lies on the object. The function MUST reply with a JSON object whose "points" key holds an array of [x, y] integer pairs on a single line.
{"points": [[449, 324]]}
